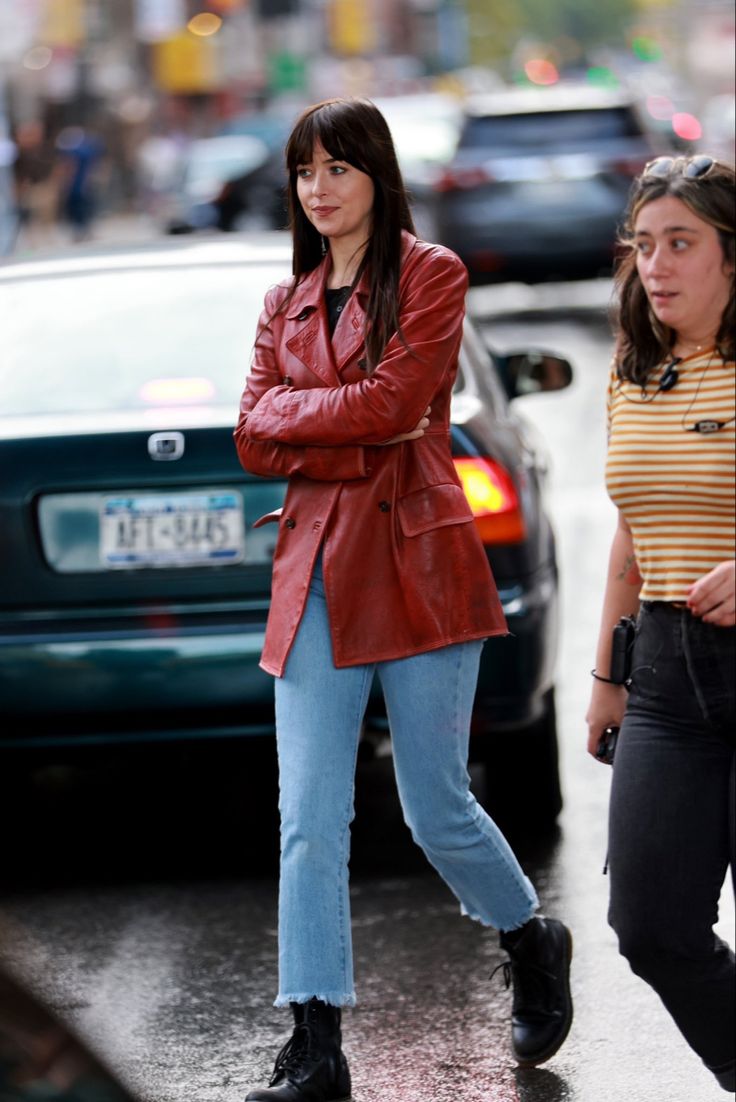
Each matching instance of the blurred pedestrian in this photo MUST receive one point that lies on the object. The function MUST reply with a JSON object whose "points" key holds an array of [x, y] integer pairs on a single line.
{"points": [[81, 152], [159, 162], [670, 471], [36, 186], [378, 569]]}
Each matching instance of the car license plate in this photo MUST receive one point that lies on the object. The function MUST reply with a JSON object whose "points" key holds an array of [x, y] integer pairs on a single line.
{"points": [[155, 530]]}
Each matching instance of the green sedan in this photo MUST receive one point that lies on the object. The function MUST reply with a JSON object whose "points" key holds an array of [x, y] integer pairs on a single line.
{"points": [[134, 588]]}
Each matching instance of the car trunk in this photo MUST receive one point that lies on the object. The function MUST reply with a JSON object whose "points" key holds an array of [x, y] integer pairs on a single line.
{"points": [[84, 611], [70, 487]]}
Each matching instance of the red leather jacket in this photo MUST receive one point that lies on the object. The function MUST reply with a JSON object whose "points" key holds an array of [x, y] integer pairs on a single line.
{"points": [[404, 568]]}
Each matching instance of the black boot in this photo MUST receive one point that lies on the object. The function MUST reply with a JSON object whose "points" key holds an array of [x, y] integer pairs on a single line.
{"points": [[726, 1077], [539, 968], [311, 1066]]}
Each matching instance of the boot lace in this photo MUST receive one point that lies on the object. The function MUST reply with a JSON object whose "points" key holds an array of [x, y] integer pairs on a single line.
{"points": [[530, 981], [295, 1054], [505, 969]]}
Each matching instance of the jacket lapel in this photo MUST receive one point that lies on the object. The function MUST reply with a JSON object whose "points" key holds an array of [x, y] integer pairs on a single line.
{"points": [[348, 339], [311, 342], [349, 333]]}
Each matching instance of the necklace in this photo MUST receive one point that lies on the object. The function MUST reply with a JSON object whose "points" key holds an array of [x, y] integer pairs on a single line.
{"points": [[683, 347]]}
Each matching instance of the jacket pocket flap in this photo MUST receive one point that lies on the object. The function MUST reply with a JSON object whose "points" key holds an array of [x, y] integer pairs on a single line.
{"points": [[433, 507], [268, 518]]}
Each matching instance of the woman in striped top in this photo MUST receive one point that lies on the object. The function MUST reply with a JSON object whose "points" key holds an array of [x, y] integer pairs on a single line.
{"points": [[670, 471]]}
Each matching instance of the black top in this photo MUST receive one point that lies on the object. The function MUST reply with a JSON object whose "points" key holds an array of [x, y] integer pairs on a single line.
{"points": [[336, 300]]}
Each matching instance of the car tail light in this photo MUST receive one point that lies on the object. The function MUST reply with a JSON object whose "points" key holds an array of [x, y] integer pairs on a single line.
{"points": [[485, 260], [462, 179], [492, 496], [628, 166]]}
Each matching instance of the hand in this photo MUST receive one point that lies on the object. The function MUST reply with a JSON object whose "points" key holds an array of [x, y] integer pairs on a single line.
{"points": [[606, 709], [415, 433], [713, 597]]}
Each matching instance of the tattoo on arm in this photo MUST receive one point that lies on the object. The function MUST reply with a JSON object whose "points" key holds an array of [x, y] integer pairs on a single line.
{"points": [[630, 572]]}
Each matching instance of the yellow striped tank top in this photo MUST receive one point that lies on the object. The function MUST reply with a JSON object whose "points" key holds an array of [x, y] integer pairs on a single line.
{"points": [[674, 485]]}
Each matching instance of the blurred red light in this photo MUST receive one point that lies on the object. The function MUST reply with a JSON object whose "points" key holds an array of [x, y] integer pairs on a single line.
{"points": [[686, 126], [541, 71], [461, 179], [485, 260], [492, 496], [629, 166]]}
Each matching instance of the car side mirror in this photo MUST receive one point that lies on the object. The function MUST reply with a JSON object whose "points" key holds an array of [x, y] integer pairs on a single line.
{"points": [[534, 371]]}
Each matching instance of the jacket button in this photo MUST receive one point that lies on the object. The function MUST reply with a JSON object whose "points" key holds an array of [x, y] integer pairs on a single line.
{"points": [[384, 506], [317, 524], [288, 381], [290, 522]]}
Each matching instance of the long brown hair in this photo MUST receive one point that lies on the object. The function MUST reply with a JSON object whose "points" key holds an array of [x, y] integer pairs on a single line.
{"points": [[643, 341], [354, 131]]}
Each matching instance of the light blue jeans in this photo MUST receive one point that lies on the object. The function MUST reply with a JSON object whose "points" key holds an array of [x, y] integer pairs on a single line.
{"points": [[319, 713]]}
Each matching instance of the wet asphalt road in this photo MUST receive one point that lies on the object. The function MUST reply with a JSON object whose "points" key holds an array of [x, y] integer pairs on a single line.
{"points": [[140, 894]]}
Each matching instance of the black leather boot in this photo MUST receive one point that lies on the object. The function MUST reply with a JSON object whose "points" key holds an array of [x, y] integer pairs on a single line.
{"points": [[726, 1077], [539, 968], [311, 1066]]}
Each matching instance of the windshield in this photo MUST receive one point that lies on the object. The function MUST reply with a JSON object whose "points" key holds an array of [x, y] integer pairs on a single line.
{"points": [[547, 130], [129, 339]]}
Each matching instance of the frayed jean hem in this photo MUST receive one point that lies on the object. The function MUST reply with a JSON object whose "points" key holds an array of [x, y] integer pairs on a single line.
{"points": [[490, 925], [332, 998]]}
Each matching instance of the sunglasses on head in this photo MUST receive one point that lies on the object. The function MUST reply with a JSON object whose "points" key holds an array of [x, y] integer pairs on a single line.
{"points": [[692, 168]]}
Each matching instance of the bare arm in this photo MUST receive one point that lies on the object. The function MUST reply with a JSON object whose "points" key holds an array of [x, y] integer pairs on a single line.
{"points": [[621, 598]]}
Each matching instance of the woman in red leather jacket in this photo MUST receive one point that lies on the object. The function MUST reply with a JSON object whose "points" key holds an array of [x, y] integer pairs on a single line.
{"points": [[378, 569]]}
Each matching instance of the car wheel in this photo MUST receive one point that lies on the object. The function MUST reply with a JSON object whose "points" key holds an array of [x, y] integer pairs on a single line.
{"points": [[176, 227], [522, 775]]}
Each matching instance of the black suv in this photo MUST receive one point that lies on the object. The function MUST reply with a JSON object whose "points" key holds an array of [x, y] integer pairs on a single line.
{"points": [[539, 181]]}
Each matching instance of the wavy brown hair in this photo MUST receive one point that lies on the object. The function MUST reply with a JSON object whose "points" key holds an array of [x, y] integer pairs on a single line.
{"points": [[354, 131], [643, 341]]}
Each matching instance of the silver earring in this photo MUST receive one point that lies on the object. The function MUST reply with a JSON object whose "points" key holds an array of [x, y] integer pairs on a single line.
{"points": [[324, 246]]}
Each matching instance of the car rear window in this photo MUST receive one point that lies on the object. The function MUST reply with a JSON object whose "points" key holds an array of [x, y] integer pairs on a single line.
{"points": [[118, 340], [545, 130]]}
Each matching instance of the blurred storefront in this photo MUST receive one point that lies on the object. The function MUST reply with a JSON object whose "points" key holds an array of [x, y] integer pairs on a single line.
{"points": [[189, 65], [79, 56], [129, 71], [132, 72]]}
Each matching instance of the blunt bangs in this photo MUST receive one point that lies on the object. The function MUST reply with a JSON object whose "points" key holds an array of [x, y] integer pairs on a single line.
{"points": [[331, 125]]}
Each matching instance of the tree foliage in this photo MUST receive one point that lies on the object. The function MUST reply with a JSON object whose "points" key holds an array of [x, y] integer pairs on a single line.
{"points": [[495, 27]]}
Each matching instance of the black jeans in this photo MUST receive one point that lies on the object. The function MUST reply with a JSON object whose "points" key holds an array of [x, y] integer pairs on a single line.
{"points": [[671, 830]]}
